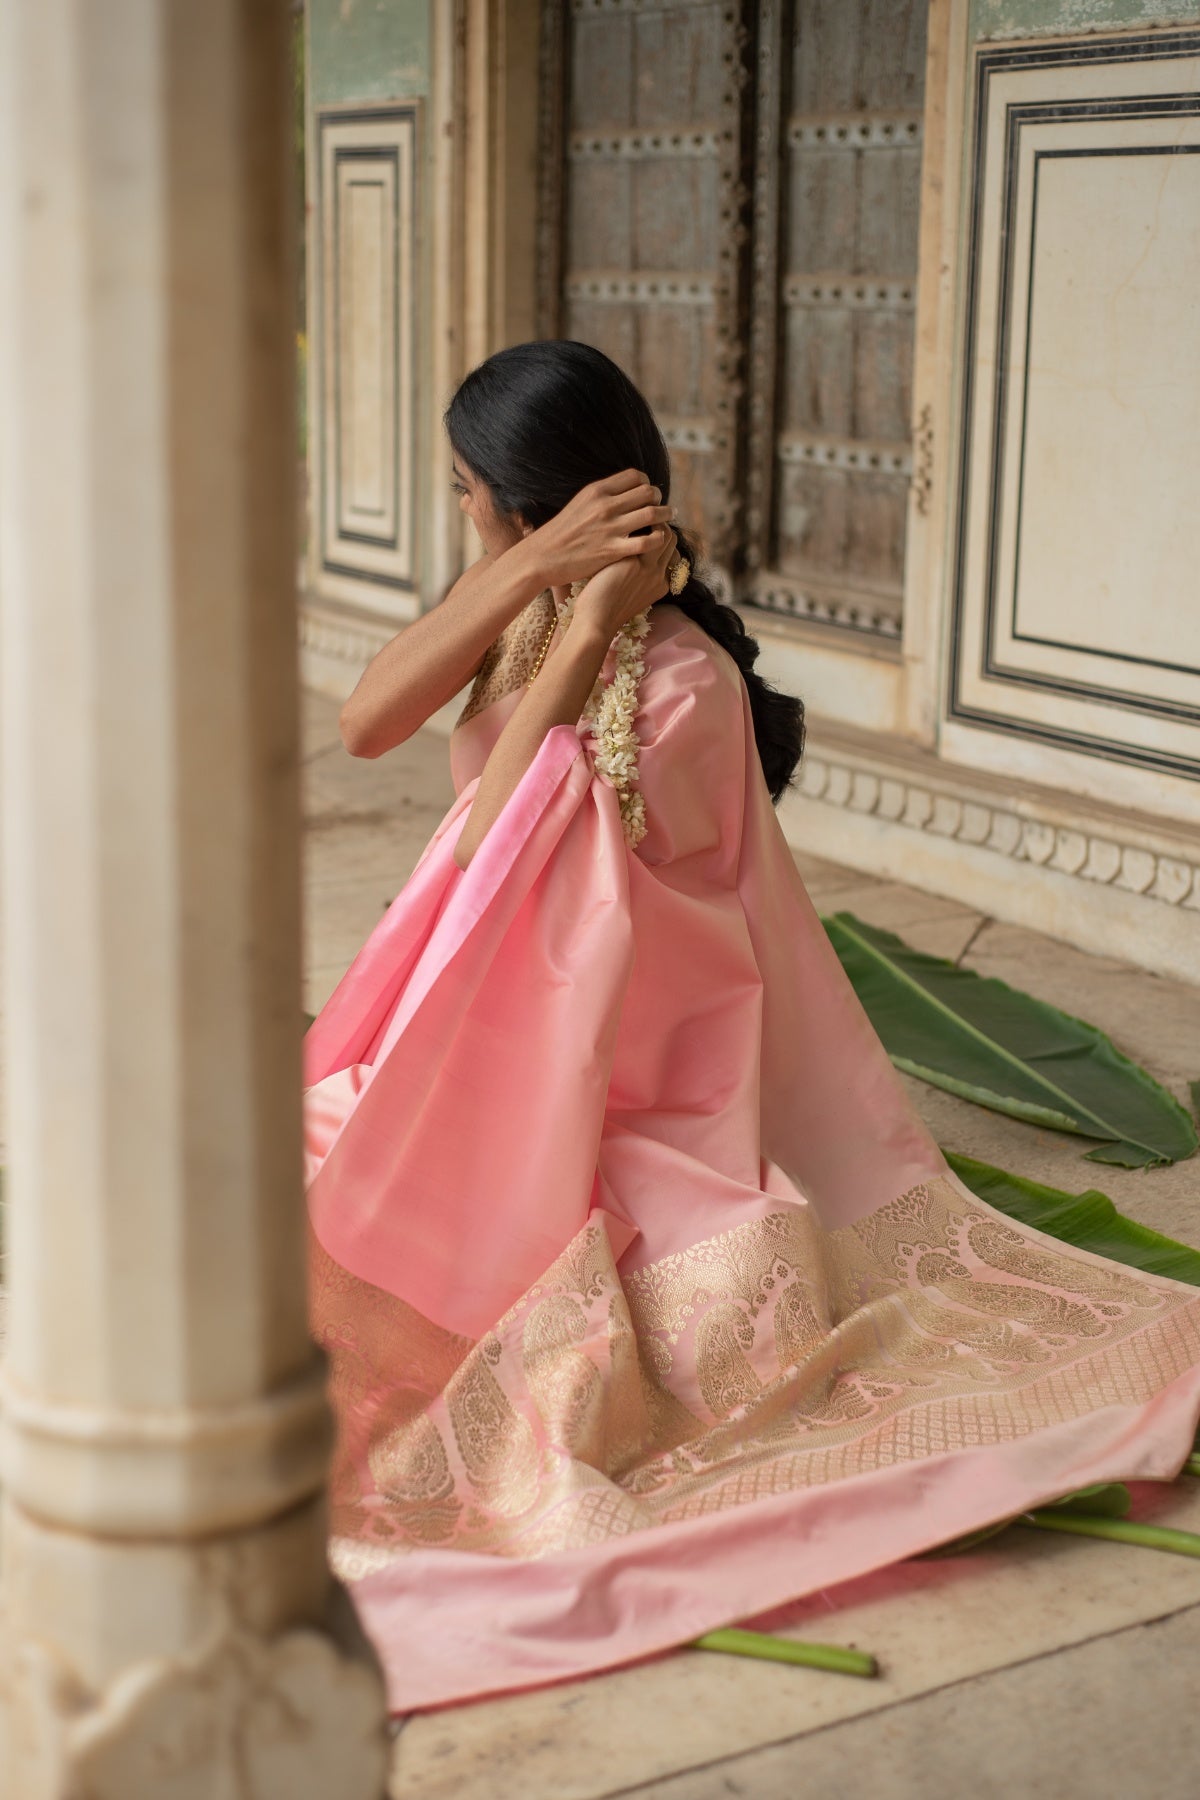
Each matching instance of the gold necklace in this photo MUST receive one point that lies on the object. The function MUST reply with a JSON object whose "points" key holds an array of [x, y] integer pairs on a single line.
{"points": [[541, 655]]}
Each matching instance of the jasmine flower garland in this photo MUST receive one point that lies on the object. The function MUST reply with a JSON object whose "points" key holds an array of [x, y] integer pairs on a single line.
{"points": [[609, 715]]}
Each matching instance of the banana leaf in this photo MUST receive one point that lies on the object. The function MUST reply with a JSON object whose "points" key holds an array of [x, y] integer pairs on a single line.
{"points": [[977, 1037], [1088, 1220], [1103, 1500]]}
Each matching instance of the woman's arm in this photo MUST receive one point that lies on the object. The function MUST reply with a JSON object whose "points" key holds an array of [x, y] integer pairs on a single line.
{"points": [[427, 663], [566, 679]]}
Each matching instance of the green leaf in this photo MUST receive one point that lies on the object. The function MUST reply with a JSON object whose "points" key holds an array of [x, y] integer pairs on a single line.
{"points": [[970, 1540], [1194, 1091], [977, 1037], [1103, 1500], [1088, 1220]]}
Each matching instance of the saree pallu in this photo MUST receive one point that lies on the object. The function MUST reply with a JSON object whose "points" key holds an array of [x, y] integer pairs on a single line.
{"points": [[650, 1303]]}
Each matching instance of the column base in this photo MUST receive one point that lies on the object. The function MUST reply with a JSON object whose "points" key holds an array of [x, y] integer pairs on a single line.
{"points": [[240, 1698]]}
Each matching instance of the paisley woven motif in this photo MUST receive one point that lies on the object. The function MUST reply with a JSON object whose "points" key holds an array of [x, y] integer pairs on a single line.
{"points": [[770, 1357]]}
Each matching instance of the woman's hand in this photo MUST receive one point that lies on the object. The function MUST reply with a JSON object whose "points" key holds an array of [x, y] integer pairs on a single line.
{"points": [[624, 589], [615, 594], [596, 528]]}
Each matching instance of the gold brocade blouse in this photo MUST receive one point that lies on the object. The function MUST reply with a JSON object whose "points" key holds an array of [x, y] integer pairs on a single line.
{"points": [[509, 660]]}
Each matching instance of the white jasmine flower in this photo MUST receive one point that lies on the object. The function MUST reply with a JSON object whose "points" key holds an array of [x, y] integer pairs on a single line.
{"points": [[609, 715]]}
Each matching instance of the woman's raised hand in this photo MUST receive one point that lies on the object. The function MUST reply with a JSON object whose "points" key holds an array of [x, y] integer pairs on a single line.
{"points": [[596, 528], [623, 589]]}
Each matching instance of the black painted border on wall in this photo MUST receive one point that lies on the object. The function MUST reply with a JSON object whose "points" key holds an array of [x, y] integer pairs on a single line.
{"points": [[1157, 46]]}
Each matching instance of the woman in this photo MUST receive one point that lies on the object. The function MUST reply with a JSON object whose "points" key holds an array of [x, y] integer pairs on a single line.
{"points": [[650, 1303]]}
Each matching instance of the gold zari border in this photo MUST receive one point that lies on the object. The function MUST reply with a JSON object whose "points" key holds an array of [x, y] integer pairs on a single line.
{"points": [[769, 1359]]}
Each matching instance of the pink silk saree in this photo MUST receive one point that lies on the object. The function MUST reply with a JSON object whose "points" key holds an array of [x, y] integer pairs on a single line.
{"points": [[650, 1304]]}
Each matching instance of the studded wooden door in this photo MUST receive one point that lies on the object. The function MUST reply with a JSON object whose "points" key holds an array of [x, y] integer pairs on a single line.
{"points": [[840, 87], [729, 208], [645, 254]]}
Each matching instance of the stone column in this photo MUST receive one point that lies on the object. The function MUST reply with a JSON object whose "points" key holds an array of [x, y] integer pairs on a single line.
{"points": [[170, 1627]]}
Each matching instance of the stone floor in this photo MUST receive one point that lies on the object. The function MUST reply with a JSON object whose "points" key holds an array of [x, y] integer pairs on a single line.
{"points": [[1037, 1665]]}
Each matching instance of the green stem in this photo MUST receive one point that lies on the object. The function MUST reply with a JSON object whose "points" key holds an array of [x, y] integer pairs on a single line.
{"points": [[736, 1642], [1191, 1466], [1121, 1531]]}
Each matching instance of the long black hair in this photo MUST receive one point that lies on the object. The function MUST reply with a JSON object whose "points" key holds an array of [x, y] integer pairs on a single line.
{"points": [[538, 421]]}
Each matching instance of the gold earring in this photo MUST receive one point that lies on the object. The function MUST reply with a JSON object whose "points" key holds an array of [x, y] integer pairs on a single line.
{"points": [[679, 570]]}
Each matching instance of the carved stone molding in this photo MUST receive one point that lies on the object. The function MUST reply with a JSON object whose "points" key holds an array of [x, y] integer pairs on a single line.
{"points": [[253, 1718], [179, 1472], [347, 638], [1082, 850]]}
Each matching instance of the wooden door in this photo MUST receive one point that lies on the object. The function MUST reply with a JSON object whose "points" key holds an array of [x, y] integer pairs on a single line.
{"points": [[730, 208], [837, 185], [644, 244]]}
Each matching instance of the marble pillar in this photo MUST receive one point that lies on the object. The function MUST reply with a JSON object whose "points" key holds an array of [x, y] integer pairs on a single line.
{"points": [[169, 1625]]}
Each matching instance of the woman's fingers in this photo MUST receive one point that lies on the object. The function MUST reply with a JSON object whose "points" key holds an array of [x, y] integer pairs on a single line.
{"points": [[642, 493], [619, 483], [649, 543], [649, 514], [666, 548]]}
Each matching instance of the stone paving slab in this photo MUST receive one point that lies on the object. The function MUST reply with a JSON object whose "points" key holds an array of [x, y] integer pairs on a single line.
{"points": [[928, 922], [1113, 1719]]}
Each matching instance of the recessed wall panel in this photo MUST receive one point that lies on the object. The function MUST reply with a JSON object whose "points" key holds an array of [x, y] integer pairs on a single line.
{"points": [[365, 469], [1077, 586], [1112, 363]]}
